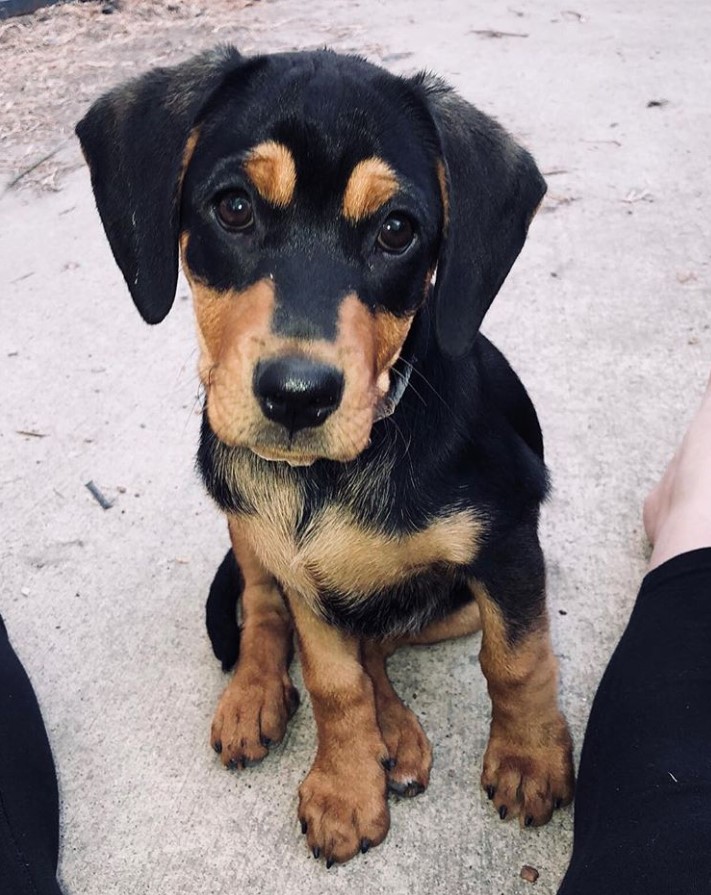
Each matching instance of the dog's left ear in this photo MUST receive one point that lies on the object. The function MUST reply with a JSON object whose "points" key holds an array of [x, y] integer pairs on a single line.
{"points": [[491, 191], [134, 139]]}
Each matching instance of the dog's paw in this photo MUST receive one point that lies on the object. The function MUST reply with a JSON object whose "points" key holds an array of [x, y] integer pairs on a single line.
{"points": [[343, 806], [251, 716], [410, 753], [530, 777]]}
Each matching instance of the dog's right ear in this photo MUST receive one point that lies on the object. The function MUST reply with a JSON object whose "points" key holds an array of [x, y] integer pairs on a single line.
{"points": [[134, 140]]}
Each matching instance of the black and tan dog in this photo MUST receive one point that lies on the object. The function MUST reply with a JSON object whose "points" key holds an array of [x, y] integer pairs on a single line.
{"points": [[380, 464]]}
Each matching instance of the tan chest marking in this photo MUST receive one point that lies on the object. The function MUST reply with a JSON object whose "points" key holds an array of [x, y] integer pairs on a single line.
{"points": [[336, 553]]}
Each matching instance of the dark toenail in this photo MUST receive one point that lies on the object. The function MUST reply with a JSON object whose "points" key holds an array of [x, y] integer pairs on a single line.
{"points": [[304, 826], [365, 845], [217, 746], [329, 863], [503, 811], [293, 701], [266, 742], [558, 804], [316, 851], [490, 792], [388, 763], [528, 821]]}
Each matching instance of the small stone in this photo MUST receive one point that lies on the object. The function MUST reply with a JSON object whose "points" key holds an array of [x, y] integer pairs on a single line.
{"points": [[530, 874]]}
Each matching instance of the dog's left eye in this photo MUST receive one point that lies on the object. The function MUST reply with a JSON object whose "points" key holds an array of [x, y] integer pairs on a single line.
{"points": [[396, 234], [235, 211]]}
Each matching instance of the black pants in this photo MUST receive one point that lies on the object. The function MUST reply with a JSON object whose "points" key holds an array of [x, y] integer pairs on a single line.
{"points": [[643, 806], [29, 806]]}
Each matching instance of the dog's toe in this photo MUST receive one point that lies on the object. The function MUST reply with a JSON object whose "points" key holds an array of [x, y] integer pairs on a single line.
{"points": [[529, 781], [409, 750], [251, 717], [344, 812]]}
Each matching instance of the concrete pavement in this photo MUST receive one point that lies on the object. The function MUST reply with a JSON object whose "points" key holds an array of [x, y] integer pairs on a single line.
{"points": [[606, 318]]}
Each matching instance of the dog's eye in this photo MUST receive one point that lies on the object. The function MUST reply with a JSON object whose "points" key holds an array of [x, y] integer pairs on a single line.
{"points": [[235, 211], [396, 234]]}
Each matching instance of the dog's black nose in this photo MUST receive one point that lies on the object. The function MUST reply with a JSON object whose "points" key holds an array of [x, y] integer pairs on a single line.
{"points": [[297, 392]]}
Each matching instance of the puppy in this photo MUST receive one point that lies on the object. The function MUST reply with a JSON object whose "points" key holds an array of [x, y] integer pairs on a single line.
{"points": [[343, 232]]}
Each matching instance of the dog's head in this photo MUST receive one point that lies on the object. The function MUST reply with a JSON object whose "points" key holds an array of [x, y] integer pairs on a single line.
{"points": [[312, 197]]}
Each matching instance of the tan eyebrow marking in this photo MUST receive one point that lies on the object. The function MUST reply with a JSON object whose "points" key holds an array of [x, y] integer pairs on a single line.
{"points": [[188, 153], [371, 184], [271, 168]]}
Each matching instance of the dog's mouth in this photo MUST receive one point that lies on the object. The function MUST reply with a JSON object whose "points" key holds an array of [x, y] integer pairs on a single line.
{"points": [[276, 456], [343, 437], [309, 447]]}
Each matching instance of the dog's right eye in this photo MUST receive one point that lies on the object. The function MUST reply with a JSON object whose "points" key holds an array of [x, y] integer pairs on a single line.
{"points": [[396, 234], [234, 211]]}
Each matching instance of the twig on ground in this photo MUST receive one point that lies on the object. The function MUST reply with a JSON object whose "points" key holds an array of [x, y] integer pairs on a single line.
{"points": [[25, 171], [103, 502]]}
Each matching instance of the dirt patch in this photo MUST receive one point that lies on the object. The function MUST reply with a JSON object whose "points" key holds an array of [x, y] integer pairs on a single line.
{"points": [[56, 61]]}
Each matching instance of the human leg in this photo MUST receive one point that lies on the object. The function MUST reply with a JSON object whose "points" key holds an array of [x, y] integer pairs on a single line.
{"points": [[29, 804]]}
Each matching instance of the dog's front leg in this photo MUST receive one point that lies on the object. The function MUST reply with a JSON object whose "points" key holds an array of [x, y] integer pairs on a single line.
{"points": [[343, 800], [408, 747], [259, 700], [528, 766]]}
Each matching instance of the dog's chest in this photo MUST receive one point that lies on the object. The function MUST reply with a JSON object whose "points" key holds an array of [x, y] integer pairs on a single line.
{"points": [[335, 555]]}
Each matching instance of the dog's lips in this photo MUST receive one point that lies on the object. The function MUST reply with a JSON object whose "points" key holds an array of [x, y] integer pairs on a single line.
{"points": [[275, 456]]}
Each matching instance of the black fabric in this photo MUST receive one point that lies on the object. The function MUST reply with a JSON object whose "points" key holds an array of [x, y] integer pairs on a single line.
{"points": [[643, 804], [29, 804]]}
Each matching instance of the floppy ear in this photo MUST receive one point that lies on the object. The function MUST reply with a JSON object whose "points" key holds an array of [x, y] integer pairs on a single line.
{"points": [[134, 139], [492, 188]]}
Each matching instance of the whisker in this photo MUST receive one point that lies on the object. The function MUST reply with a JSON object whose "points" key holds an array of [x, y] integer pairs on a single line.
{"points": [[454, 417], [406, 442], [413, 369], [402, 376]]}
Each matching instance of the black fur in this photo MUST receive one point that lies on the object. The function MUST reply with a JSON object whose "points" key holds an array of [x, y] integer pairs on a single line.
{"points": [[133, 139], [465, 434], [221, 611], [494, 187]]}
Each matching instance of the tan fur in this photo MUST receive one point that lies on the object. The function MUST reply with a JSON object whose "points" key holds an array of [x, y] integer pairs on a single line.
{"points": [[406, 741], [442, 178], [336, 552], [188, 153], [271, 168], [233, 330], [340, 554], [235, 333], [371, 184], [390, 335], [528, 761], [343, 799], [462, 623], [260, 698]]}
